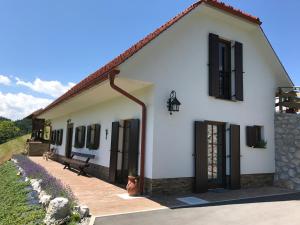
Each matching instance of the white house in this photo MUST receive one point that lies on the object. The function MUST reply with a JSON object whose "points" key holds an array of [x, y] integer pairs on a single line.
{"points": [[225, 74]]}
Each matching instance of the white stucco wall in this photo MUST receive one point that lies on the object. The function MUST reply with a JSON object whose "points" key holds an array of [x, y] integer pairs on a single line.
{"points": [[178, 60], [104, 114]]}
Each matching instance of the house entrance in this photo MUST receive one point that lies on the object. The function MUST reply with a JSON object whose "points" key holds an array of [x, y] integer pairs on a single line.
{"points": [[124, 151], [69, 140], [210, 155]]}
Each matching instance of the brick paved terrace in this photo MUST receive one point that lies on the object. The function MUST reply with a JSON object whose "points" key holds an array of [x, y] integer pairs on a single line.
{"points": [[101, 197]]}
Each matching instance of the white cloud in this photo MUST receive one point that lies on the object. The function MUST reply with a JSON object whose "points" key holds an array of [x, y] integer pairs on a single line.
{"points": [[4, 80], [19, 105], [52, 88]]}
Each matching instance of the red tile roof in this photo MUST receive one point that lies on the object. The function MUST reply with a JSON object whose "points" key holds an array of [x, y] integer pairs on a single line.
{"points": [[101, 74]]}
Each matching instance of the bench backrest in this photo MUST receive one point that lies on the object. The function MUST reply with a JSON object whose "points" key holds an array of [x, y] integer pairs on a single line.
{"points": [[84, 155]]}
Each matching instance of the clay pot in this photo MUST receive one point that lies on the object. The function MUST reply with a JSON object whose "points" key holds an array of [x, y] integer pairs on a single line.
{"points": [[132, 186]]}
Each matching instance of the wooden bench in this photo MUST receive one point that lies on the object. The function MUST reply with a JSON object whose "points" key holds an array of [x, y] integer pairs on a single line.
{"points": [[71, 162]]}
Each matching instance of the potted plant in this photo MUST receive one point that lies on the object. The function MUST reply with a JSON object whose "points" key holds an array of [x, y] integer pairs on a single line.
{"points": [[261, 144]]}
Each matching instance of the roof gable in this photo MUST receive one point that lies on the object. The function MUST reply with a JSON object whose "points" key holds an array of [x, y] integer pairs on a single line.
{"points": [[102, 74]]}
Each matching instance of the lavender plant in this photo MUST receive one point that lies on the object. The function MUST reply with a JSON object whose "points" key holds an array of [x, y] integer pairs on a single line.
{"points": [[49, 184]]}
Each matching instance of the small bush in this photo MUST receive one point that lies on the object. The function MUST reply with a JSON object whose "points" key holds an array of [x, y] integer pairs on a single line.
{"points": [[74, 219], [50, 184]]}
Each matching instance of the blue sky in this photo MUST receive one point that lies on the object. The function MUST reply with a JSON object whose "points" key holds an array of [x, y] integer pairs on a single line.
{"points": [[64, 41]]}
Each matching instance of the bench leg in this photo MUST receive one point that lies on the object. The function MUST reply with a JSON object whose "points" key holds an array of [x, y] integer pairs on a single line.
{"points": [[81, 171], [67, 165]]}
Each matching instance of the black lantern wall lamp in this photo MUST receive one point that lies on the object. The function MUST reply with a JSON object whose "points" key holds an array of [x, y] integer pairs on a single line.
{"points": [[173, 103]]}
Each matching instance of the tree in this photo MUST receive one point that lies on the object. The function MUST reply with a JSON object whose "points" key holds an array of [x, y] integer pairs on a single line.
{"points": [[24, 125], [3, 118], [8, 130]]}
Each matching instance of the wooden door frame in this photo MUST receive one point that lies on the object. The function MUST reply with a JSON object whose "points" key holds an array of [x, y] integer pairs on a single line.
{"points": [[68, 147]]}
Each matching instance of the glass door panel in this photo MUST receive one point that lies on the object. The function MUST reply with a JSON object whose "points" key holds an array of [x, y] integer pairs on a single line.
{"points": [[215, 155]]}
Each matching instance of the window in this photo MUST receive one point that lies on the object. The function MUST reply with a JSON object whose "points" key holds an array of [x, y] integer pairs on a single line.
{"points": [[255, 137], [225, 80], [79, 137], [224, 69], [93, 136], [59, 137]]}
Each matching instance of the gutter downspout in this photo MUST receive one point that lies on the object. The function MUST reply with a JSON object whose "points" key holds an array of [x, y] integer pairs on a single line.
{"points": [[111, 77]]}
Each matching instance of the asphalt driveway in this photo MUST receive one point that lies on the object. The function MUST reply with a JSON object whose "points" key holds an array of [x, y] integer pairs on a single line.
{"points": [[274, 210]]}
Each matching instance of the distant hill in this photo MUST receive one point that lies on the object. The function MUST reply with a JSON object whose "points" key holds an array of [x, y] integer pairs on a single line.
{"points": [[13, 146], [11, 129], [3, 118]]}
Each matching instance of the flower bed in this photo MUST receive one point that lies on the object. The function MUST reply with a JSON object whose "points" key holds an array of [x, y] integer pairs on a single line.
{"points": [[51, 185], [56, 197], [15, 208]]}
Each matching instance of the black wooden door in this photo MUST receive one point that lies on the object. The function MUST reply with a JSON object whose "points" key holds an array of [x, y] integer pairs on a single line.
{"points": [[125, 151], [235, 170], [69, 140], [201, 172], [133, 151], [114, 151]]}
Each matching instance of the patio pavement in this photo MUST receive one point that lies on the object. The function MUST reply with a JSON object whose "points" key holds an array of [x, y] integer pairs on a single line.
{"points": [[103, 198]]}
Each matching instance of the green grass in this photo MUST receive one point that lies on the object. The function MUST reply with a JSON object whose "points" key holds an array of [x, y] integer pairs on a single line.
{"points": [[14, 207], [11, 147]]}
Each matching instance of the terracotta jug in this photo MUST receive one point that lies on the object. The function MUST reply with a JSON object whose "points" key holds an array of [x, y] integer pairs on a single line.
{"points": [[132, 186]]}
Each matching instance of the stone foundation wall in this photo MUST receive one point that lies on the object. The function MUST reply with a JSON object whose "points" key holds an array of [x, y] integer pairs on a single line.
{"points": [[287, 150], [167, 186], [37, 148], [257, 180], [185, 185]]}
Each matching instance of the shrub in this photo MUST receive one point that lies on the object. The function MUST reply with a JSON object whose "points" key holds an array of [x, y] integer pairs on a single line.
{"points": [[49, 184]]}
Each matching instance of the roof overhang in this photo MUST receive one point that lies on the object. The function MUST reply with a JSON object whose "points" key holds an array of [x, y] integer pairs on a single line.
{"points": [[96, 95]]}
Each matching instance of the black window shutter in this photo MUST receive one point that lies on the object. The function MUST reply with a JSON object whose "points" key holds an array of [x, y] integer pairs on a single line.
{"points": [[214, 65], [133, 152], [249, 136], [88, 136], [76, 144], [201, 173], [253, 134], [238, 62], [114, 148], [82, 138], [235, 165], [55, 137], [256, 134], [61, 137], [96, 142]]}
